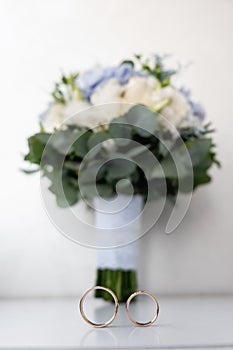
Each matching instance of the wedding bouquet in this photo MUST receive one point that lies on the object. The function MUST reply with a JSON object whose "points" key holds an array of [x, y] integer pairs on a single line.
{"points": [[142, 104]]}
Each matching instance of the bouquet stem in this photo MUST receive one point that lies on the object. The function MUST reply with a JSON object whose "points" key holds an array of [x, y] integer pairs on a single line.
{"points": [[122, 283], [117, 266]]}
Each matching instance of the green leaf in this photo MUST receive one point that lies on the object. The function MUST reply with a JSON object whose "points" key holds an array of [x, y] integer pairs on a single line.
{"points": [[158, 106], [65, 190], [200, 154], [70, 192], [89, 172], [26, 171], [62, 140], [142, 120], [66, 88], [92, 190], [36, 145], [104, 190], [121, 130], [128, 62], [80, 146], [201, 178], [146, 162], [119, 168], [97, 138]]}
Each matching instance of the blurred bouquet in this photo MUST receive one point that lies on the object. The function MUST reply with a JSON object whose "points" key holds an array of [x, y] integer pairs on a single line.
{"points": [[139, 81], [143, 105]]}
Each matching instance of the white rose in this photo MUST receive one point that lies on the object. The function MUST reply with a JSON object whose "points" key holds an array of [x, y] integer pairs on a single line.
{"points": [[178, 111], [75, 113], [101, 114], [60, 113], [111, 95], [54, 117], [140, 90], [137, 90], [107, 92], [146, 91], [115, 99]]}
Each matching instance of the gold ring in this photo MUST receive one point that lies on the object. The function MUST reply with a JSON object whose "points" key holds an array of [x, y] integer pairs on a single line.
{"points": [[98, 325], [140, 324]]}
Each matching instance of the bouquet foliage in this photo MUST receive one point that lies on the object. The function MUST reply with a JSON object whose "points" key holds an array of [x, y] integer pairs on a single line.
{"points": [[143, 108]]}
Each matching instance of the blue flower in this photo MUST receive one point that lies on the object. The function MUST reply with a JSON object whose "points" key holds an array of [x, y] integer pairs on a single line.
{"points": [[196, 108], [124, 72], [90, 80]]}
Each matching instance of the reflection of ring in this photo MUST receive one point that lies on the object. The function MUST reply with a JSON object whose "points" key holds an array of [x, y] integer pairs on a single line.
{"points": [[98, 325], [103, 340], [128, 313]]}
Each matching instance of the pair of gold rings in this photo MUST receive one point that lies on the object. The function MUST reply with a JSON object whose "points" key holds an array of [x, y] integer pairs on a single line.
{"points": [[136, 323]]}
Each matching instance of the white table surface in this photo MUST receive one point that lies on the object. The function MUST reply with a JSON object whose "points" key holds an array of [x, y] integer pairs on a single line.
{"points": [[184, 322]]}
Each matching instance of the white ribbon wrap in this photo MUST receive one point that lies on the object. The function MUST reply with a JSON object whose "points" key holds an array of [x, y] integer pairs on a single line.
{"points": [[126, 257]]}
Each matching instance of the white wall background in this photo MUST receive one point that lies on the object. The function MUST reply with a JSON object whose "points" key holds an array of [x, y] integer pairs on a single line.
{"points": [[38, 40]]}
